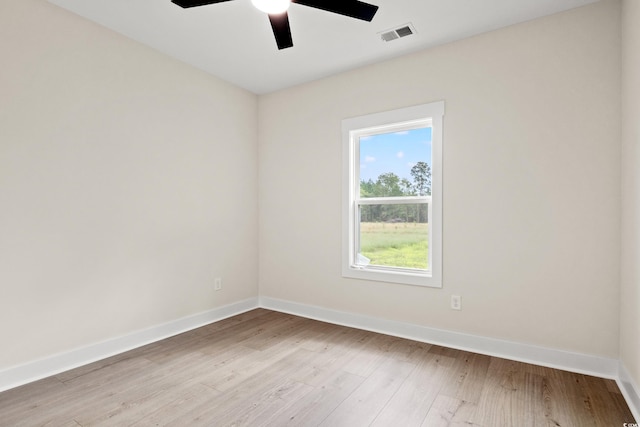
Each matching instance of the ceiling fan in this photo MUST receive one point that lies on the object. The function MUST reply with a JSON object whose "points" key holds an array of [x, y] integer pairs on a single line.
{"points": [[277, 11]]}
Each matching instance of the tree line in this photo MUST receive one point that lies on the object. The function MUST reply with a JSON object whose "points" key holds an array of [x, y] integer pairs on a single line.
{"points": [[391, 185]]}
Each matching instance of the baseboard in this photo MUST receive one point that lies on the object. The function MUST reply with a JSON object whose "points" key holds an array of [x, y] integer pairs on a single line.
{"points": [[574, 362], [559, 359], [630, 390], [33, 371]]}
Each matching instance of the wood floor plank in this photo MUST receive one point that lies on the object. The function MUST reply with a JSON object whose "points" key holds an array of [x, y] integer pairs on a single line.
{"points": [[410, 405], [267, 404], [96, 366], [448, 411], [599, 398], [337, 356], [138, 397], [184, 401], [246, 392], [472, 373], [293, 329], [365, 403], [28, 396], [566, 399], [312, 409], [70, 400], [205, 340], [370, 356], [264, 368], [503, 397], [234, 373]]}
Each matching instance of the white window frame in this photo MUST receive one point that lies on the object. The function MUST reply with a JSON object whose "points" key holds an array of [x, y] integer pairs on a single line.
{"points": [[391, 121]]}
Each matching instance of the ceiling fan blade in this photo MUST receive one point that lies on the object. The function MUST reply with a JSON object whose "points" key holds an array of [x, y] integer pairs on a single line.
{"points": [[353, 8], [281, 30], [193, 3]]}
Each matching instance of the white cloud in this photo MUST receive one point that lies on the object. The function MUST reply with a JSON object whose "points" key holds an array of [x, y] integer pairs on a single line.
{"points": [[404, 132], [400, 154], [369, 159]]}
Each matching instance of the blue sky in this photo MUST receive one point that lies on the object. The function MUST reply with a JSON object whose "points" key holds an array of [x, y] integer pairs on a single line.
{"points": [[395, 152]]}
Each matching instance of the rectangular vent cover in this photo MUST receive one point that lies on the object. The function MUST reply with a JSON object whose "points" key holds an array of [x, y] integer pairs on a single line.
{"points": [[396, 33]]}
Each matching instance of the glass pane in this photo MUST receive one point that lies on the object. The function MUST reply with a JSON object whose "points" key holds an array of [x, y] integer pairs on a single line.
{"points": [[396, 164], [394, 236]]}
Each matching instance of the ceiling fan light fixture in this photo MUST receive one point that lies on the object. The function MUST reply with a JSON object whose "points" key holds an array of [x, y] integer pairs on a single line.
{"points": [[272, 7]]}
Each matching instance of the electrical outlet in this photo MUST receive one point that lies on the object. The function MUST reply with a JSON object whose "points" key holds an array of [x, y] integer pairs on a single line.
{"points": [[217, 284], [456, 302]]}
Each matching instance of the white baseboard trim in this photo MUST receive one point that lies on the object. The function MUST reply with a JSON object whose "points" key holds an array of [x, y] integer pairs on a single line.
{"points": [[630, 391], [39, 369], [559, 359]]}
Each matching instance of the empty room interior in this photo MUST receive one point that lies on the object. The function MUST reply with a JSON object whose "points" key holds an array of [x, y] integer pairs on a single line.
{"points": [[181, 242]]}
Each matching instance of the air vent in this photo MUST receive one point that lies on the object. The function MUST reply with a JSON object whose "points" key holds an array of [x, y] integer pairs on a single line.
{"points": [[396, 33], [389, 35]]}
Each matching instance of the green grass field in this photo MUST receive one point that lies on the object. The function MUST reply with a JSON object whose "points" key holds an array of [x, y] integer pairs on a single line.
{"points": [[395, 244]]}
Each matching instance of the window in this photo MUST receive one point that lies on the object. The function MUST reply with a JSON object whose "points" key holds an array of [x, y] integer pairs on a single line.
{"points": [[392, 196]]}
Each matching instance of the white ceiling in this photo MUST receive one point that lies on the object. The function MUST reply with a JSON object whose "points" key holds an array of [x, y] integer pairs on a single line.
{"points": [[234, 41]]}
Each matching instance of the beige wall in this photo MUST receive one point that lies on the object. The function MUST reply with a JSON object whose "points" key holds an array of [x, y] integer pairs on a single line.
{"points": [[630, 308], [531, 183], [127, 183]]}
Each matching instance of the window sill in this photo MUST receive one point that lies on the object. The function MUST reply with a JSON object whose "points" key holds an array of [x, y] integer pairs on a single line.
{"points": [[417, 278]]}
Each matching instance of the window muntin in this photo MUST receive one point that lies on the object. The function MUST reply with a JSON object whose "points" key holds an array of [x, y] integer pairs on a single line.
{"points": [[392, 204]]}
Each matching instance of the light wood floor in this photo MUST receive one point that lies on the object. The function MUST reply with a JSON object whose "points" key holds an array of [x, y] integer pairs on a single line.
{"points": [[264, 368]]}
